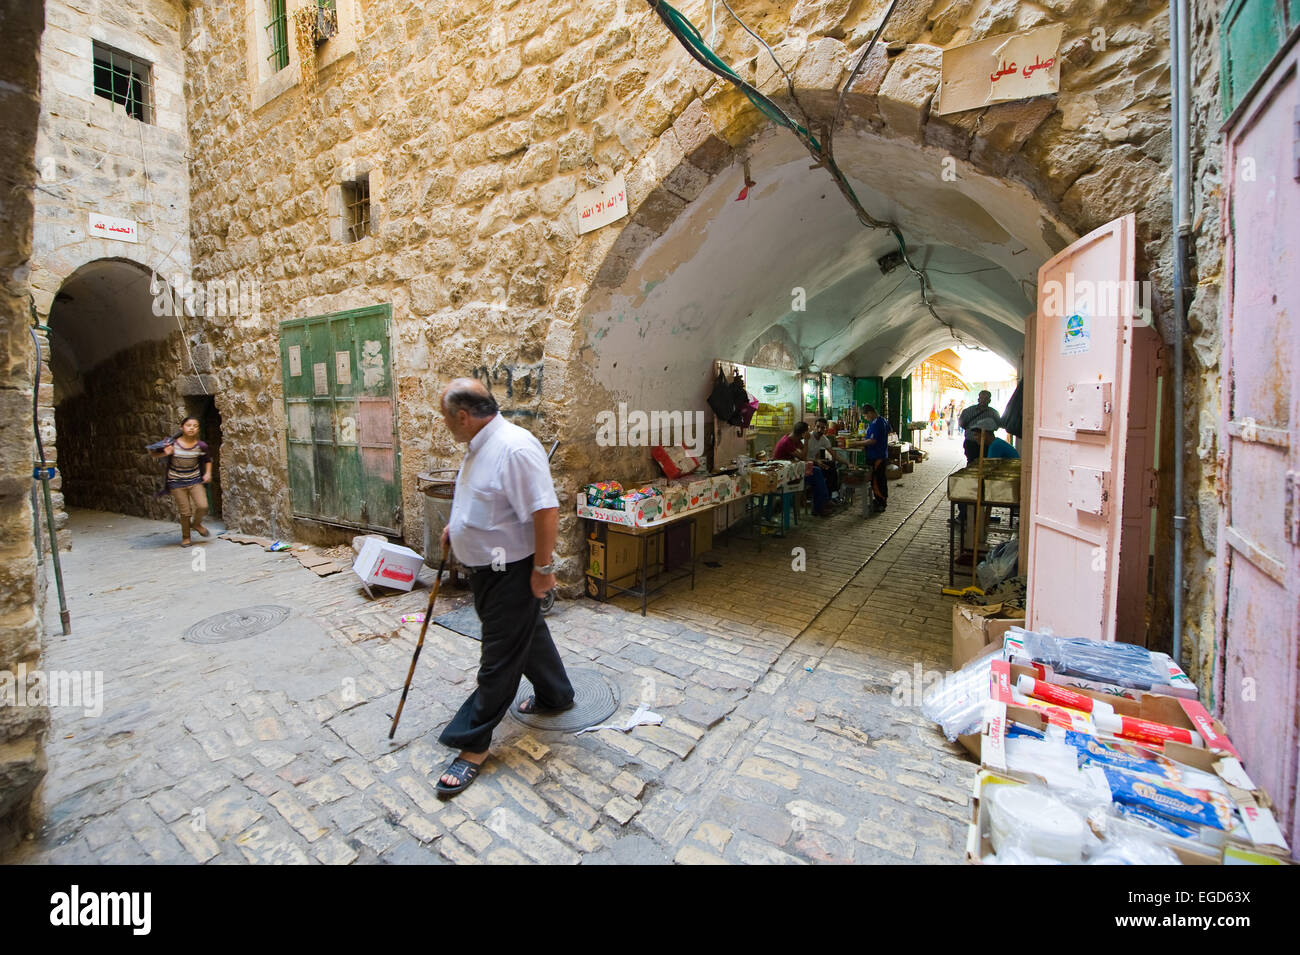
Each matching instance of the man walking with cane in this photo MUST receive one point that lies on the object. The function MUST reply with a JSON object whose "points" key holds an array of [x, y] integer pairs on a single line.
{"points": [[504, 518]]}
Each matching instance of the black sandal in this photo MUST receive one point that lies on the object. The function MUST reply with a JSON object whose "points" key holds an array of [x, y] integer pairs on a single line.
{"points": [[464, 772], [529, 707]]}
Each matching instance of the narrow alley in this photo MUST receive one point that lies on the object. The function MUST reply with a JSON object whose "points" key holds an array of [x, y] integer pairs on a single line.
{"points": [[780, 741]]}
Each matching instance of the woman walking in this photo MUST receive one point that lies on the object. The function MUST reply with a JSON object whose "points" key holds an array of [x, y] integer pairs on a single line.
{"points": [[188, 470]]}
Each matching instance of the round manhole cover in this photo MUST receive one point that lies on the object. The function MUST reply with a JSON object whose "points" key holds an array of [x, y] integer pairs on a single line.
{"points": [[594, 702], [237, 624]]}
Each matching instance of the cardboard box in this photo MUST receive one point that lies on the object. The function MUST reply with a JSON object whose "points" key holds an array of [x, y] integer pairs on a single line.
{"points": [[974, 628], [1171, 710], [641, 514], [979, 836], [1180, 684], [675, 499], [766, 479], [725, 487], [388, 565]]}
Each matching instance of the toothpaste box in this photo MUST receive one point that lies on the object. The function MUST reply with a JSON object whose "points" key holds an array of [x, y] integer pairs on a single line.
{"points": [[388, 565]]}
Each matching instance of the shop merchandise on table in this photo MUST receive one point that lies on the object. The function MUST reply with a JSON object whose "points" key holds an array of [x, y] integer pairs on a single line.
{"points": [[1098, 753], [658, 503]]}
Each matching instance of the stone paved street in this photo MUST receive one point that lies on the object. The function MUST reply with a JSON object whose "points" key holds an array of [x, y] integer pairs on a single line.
{"points": [[780, 742]]}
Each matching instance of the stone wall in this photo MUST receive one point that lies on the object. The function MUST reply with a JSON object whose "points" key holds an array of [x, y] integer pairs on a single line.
{"points": [[1203, 346], [478, 124], [22, 587], [102, 460], [93, 158]]}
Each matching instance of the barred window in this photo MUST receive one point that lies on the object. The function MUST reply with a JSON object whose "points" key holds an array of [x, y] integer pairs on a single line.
{"points": [[278, 32], [124, 79], [356, 209]]}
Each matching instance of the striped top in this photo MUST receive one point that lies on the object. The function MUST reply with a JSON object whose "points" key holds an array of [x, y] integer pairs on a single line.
{"points": [[185, 466]]}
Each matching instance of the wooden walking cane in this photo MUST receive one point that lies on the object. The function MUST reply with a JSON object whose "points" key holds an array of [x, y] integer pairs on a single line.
{"points": [[428, 612]]}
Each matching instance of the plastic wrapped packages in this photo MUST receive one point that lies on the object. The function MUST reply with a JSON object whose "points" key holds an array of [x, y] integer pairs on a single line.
{"points": [[1125, 664], [1131, 849], [957, 704], [999, 565], [1029, 819]]}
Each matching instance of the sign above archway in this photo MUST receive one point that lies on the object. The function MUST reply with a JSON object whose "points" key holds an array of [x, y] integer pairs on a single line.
{"points": [[1000, 69]]}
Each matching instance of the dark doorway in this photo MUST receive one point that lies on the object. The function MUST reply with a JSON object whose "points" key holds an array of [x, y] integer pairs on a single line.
{"points": [[204, 407]]}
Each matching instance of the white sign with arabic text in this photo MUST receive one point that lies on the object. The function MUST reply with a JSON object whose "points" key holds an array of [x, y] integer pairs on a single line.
{"points": [[1001, 68], [599, 207], [111, 227]]}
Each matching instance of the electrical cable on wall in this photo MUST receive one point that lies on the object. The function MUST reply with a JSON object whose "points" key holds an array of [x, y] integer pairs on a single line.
{"points": [[690, 38]]}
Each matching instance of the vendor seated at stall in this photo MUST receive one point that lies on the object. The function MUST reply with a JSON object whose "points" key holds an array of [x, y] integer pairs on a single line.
{"points": [[978, 417], [792, 447], [994, 447], [822, 452]]}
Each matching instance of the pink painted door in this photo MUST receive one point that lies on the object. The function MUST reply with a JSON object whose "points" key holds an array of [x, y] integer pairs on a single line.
{"points": [[1094, 415], [1258, 586]]}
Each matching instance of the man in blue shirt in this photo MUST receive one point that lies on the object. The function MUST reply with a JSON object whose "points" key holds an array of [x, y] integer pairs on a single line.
{"points": [[877, 454], [994, 447]]}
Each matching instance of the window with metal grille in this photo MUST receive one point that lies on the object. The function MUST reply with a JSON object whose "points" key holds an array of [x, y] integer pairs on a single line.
{"points": [[356, 209], [124, 79], [277, 30]]}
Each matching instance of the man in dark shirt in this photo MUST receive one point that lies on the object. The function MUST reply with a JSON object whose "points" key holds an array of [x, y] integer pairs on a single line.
{"points": [[791, 447], [978, 417], [877, 454]]}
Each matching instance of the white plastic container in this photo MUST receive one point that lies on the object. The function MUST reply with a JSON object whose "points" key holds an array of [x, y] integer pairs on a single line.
{"points": [[1043, 826]]}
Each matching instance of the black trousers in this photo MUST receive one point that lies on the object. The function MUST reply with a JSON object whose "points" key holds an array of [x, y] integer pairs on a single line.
{"points": [[832, 475], [879, 482], [516, 642]]}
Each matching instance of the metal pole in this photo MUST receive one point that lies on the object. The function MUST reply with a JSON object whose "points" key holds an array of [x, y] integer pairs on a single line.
{"points": [[43, 470]]}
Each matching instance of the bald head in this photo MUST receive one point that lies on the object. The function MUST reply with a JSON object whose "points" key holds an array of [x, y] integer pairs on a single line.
{"points": [[469, 395]]}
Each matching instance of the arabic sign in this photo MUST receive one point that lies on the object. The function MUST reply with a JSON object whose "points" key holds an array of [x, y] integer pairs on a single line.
{"points": [[110, 227], [599, 207], [1001, 68]]}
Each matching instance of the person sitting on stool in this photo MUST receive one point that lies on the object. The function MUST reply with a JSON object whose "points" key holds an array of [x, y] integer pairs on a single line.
{"points": [[825, 455], [791, 447], [977, 418]]}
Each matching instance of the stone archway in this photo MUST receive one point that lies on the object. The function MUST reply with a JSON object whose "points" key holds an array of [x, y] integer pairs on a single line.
{"points": [[994, 191], [119, 362]]}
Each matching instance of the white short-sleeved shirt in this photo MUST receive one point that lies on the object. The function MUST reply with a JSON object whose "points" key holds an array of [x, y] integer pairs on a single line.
{"points": [[504, 480]]}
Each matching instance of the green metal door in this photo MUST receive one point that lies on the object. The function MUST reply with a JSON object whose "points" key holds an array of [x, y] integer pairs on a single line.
{"points": [[344, 460]]}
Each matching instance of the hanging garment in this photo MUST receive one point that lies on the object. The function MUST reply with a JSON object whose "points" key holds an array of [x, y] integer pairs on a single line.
{"points": [[1013, 415], [721, 399]]}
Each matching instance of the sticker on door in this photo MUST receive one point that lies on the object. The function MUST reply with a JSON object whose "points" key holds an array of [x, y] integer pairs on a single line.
{"points": [[1078, 334]]}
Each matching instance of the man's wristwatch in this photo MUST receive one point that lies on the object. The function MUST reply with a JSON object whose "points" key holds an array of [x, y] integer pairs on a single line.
{"points": [[545, 569]]}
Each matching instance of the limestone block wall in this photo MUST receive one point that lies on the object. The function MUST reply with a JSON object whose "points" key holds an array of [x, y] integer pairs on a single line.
{"points": [[94, 158], [479, 124], [102, 459], [22, 587], [1204, 346]]}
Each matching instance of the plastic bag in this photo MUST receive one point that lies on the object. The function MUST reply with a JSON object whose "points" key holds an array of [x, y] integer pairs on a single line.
{"points": [[999, 565], [1125, 664], [957, 703]]}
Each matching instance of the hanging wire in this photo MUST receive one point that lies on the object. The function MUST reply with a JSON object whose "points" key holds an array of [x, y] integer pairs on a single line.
{"points": [[823, 155]]}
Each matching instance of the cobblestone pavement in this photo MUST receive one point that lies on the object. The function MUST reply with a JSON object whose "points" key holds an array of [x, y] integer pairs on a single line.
{"points": [[781, 742]]}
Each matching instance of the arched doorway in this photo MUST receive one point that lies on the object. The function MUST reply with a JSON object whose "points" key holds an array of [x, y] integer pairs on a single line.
{"points": [[124, 377]]}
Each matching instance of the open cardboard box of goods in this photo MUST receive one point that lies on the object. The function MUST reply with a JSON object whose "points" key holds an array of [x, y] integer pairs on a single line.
{"points": [[1258, 839], [974, 628], [1179, 682], [641, 514], [1181, 712], [979, 837]]}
